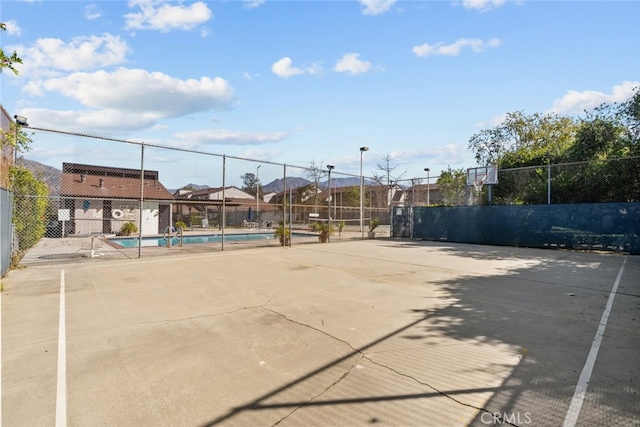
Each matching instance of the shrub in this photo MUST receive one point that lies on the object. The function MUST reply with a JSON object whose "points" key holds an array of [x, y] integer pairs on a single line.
{"points": [[29, 207], [128, 228], [283, 234], [324, 229]]}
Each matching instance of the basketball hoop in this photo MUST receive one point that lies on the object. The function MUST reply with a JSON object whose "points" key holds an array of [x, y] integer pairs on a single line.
{"points": [[478, 183]]}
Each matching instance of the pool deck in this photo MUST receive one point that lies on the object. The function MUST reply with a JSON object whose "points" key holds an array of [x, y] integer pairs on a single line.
{"points": [[78, 248]]}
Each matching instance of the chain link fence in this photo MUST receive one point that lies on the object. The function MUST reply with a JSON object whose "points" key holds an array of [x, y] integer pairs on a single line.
{"points": [[602, 181], [127, 199], [130, 199]]}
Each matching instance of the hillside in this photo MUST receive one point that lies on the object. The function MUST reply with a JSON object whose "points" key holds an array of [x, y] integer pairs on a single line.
{"points": [[50, 175]]}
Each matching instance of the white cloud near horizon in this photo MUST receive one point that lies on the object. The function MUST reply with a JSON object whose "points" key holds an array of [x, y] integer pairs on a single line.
{"points": [[448, 154], [454, 49], [49, 56], [352, 64], [576, 102], [165, 16], [101, 122], [229, 137]]}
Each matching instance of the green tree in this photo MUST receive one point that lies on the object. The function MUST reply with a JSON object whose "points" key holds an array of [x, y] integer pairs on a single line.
{"points": [[452, 184], [29, 206], [8, 61], [16, 137], [607, 138], [352, 195], [524, 140], [250, 183], [629, 112]]}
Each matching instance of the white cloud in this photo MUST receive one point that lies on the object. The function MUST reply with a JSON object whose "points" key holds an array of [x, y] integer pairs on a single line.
{"points": [[351, 63], [13, 29], [261, 154], [314, 68], [250, 77], [436, 158], [482, 5], [138, 91], [376, 7], [104, 121], [575, 102], [229, 137], [454, 49], [252, 4], [126, 99], [165, 16], [496, 120], [283, 68], [48, 56], [92, 12]]}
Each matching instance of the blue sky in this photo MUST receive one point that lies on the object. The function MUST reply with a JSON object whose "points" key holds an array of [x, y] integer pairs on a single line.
{"points": [[300, 81]]}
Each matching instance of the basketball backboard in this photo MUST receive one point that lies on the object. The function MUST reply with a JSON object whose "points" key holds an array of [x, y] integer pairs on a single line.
{"points": [[488, 175]]}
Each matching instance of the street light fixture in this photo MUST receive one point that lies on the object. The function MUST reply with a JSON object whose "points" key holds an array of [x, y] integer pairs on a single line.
{"points": [[330, 168], [258, 194], [428, 184], [20, 122], [362, 150]]}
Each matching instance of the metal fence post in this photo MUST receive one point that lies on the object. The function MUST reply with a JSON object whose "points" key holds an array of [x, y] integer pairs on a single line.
{"points": [[549, 184], [141, 200], [224, 198]]}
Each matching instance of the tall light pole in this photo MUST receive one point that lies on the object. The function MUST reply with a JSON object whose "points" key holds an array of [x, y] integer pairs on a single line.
{"points": [[428, 184], [362, 150], [258, 194], [330, 168], [335, 196]]}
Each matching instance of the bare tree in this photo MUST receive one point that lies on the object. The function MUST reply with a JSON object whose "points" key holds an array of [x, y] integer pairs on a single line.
{"points": [[387, 180], [386, 167], [315, 173]]}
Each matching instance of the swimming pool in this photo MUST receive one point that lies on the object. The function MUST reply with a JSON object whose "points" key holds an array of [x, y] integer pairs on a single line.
{"points": [[132, 242]]}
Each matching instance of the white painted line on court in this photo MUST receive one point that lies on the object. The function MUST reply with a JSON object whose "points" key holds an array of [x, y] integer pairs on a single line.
{"points": [[0, 358], [581, 389], [61, 396]]}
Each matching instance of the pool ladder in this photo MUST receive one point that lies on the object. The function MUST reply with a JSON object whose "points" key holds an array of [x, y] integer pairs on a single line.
{"points": [[167, 235]]}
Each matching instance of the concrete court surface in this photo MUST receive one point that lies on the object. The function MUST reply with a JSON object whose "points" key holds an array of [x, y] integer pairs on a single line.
{"points": [[358, 333]]}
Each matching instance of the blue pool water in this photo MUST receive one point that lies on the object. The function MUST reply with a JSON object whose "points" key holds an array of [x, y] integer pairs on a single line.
{"points": [[132, 242]]}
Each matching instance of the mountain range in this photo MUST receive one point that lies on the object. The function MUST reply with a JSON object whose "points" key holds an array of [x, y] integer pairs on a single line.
{"points": [[52, 177]]}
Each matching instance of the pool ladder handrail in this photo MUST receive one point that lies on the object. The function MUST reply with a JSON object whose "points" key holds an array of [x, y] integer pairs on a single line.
{"points": [[167, 235]]}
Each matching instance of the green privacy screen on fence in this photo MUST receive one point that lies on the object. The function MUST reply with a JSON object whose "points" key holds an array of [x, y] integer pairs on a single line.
{"points": [[597, 226]]}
